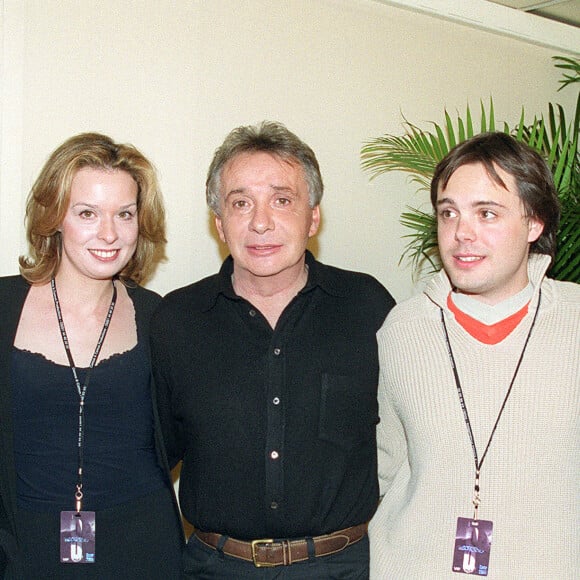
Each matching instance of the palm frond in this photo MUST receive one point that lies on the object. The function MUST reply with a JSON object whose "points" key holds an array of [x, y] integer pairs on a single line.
{"points": [[565, 63], [567, 263], [417, 153], [422, 245]]}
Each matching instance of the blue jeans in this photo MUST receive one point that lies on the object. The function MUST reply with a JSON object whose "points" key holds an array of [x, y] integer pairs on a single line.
{"points": [[201, 562]]}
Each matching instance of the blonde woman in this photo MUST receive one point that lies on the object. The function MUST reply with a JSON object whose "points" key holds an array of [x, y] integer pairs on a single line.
{"points": [[85, 490]]}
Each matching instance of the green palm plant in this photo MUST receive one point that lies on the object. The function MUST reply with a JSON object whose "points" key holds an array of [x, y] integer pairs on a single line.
{"points": [[417, 152]]}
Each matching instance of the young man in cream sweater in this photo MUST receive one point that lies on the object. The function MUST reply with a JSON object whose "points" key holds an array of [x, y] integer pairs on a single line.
{"points": [[479, 385]]}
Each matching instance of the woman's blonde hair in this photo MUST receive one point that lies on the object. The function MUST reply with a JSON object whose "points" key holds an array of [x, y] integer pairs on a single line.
{"points": [[49, 199]]}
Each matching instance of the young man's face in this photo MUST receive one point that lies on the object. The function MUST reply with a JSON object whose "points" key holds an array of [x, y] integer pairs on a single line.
{"points": [[484, 234], [266, 219]]}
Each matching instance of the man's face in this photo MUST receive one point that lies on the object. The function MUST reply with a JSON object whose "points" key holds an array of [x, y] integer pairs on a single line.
{"points": [[266, 219], [484, 235]]}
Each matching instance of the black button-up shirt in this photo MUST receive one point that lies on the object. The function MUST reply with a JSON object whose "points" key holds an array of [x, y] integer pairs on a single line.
{"points": [[275, 427]]}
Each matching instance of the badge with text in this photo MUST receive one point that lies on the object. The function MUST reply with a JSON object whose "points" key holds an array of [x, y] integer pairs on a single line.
{"points": [[77, 537], [472, 546]]}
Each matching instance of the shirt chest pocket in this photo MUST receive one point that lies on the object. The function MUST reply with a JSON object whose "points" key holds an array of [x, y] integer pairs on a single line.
{"points": [[348, 411]]}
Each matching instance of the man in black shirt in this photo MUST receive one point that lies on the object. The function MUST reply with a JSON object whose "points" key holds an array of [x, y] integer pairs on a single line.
{"points": [[266, 377]]}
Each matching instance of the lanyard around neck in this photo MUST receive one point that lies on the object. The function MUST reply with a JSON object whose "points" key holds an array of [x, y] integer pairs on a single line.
{"points": [[81, 389], [479, 462]]}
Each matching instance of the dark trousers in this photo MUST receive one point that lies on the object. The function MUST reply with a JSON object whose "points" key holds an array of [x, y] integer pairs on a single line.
{"points": [[203, 563]]}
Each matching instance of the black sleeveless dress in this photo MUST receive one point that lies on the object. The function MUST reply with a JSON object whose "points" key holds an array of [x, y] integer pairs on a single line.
{"points": [[136, 531]]}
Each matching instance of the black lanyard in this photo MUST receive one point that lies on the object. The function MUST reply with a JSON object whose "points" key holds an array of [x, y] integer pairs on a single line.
{"points": [[82, 390], [479, 462]]}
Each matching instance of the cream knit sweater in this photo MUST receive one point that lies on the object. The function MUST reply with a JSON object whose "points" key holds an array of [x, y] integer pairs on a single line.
{"points": [[529, 479]]}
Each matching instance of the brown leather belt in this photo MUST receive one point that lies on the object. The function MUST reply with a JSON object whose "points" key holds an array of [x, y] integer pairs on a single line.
{"points": [[266, 553]]}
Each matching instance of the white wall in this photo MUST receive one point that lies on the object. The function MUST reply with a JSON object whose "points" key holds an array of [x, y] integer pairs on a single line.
{"points": [[174, 76]]}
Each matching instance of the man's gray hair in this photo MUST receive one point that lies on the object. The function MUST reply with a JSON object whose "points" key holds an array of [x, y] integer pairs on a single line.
{"points": [[269, 137]]}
